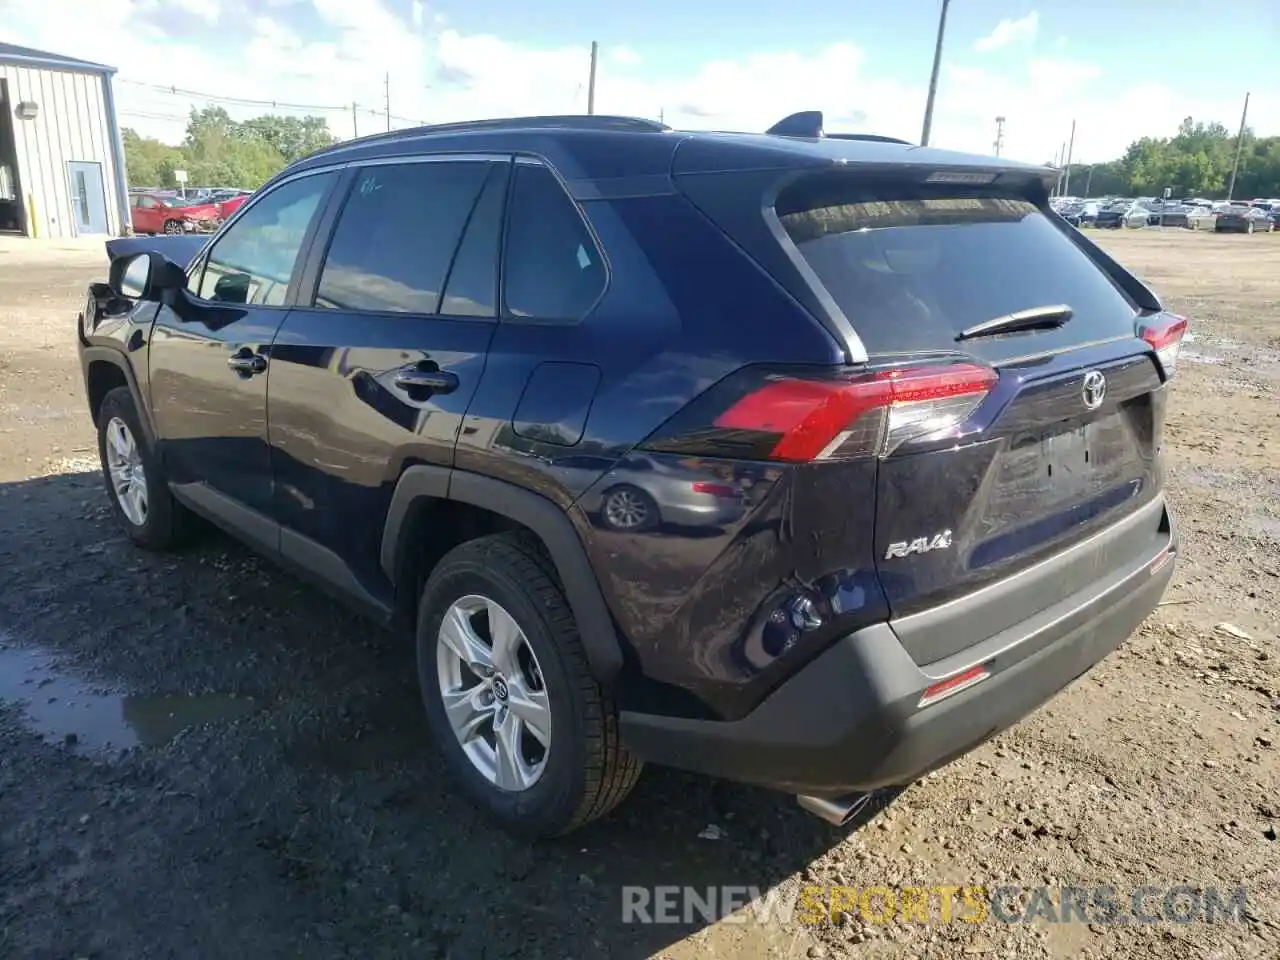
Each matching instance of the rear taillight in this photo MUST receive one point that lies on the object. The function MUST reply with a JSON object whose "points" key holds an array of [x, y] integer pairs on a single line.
{"points": [[762, 415], [1164, 335]]}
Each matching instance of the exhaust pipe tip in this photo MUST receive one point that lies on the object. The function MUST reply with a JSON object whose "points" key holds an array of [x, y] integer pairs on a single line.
{"points": [[837, 811]]}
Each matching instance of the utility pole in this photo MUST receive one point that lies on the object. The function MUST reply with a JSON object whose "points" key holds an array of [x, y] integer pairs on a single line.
{"points": [[933, 77], [1071, 145], [1088, 181], [355, 124], [999, 134], [1235, 167], [386, 85], [591, 81]]}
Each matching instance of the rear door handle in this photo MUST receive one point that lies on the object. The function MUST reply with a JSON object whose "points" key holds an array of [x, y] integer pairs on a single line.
{"points": [[437, 381], [247, 362]]}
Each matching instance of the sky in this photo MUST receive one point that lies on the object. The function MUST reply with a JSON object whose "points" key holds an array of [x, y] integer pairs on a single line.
{"points": [[1121, 69]]}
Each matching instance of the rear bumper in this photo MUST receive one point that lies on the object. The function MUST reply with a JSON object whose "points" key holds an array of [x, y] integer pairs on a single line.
{"points": [[850, 721]]}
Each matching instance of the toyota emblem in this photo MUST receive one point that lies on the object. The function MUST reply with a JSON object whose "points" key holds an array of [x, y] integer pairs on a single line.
{"points": [[1094, 389]]}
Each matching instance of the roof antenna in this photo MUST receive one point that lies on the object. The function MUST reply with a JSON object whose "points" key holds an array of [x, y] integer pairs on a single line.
{"points": [[807, 123]]}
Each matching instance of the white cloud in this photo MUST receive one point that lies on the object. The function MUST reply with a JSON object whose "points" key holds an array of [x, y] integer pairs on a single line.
{"points": [[442, 73], [1008, 32], [624, 55], [207, 10]]}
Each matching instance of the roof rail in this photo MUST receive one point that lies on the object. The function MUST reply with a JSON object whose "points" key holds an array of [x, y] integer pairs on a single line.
{"points": [[564, 122], [808, 124], [873, 137]]}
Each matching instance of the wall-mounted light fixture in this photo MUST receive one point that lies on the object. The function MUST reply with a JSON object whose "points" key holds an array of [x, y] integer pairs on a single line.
{"points": [[27, 110]]}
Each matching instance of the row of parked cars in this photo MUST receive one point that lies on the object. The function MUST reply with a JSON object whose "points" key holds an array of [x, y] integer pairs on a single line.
{"points": [[198, 210], [1240, 216]]}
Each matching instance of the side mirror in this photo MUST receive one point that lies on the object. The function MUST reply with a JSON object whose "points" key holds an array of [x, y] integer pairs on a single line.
{"points": [[145, 276]]}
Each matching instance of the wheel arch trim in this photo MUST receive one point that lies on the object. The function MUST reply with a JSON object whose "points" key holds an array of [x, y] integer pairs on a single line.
{"points": [[91, 355], [551, 524]]}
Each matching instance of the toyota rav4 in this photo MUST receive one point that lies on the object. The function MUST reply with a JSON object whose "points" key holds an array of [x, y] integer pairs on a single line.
{"points": [[805, 460]]}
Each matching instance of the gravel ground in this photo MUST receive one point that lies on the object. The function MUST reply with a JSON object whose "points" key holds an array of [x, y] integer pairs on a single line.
{"points": [[202, 757]]}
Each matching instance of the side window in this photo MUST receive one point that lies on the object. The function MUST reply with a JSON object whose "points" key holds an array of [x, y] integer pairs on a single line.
{"points": [[397, 235], [253, 262], [472, 287], [146, 203], [553, 268]]}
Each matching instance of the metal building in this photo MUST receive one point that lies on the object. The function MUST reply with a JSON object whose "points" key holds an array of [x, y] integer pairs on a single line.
{"points": [[62, 171]]}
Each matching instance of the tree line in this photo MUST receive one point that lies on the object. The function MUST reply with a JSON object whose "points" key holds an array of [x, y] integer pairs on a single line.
{"points": [[220, 152], [1196, 161]]}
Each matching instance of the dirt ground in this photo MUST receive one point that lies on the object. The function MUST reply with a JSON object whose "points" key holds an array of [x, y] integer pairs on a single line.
{"points": [[202, 757]]}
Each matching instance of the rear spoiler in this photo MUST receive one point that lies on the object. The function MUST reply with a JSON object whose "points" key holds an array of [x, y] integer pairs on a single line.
{"points": [[180, 249]]}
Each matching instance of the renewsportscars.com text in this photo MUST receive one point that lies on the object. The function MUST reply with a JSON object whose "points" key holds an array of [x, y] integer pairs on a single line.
{"points": [[942, 903]]}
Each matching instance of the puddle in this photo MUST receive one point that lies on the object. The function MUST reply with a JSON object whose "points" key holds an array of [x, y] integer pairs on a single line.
{"points": [[65, 710]]}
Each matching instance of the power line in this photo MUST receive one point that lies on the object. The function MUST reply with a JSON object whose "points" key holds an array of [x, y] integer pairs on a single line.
{"points": [[151, 115], [242, 101], [277, 104]]}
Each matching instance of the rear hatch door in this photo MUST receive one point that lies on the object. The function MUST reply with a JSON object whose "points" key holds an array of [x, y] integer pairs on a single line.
{"points": [[1063, 446]]}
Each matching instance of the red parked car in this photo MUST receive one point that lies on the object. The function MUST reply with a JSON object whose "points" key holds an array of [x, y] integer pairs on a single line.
{"points": [[229, 201], [160, 213]]}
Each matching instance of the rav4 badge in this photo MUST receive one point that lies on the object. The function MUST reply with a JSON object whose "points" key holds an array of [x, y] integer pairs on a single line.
{"points": [[905, 548]]}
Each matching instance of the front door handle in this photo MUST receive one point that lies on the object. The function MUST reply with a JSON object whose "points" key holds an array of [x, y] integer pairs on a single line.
{"points": [[416, 379], [246, 362]]}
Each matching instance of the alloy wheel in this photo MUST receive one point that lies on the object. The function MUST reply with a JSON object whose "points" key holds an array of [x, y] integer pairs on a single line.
{"points": [[626, 510], [128, 475], [493, 693]]}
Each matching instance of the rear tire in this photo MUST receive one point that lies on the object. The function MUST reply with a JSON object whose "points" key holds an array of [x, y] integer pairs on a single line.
{"points": [[137, 486], [572, 767]]}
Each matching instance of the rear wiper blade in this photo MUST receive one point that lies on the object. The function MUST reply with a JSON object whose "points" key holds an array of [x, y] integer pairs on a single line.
{"points": [[1033, 318]]}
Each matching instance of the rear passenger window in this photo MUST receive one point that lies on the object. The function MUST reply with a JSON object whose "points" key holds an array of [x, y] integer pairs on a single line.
{"points": [[472, 288], [553, 268], [397, 234]]}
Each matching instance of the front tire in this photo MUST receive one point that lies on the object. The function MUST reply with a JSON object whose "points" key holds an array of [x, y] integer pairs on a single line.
{"points": [[523, 726], [172, 227], [136, 483]]}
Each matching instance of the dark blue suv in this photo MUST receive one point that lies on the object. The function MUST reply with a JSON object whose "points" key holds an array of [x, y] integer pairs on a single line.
{"points": [[809, 461]]}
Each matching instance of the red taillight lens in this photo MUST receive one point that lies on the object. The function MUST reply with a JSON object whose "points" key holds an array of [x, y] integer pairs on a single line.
{"points": [[1164, 334], [722, 490], [797, 419]]}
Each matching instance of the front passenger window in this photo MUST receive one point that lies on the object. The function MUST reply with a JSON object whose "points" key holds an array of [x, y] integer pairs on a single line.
{"points": [[254, 261]]}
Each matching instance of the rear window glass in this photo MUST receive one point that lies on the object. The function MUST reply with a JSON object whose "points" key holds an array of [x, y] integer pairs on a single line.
{"points": [[913, 270]]}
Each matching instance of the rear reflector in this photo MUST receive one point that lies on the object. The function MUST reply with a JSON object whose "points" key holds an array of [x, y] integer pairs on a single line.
{"points": [[1164, 334], [953, 685]]}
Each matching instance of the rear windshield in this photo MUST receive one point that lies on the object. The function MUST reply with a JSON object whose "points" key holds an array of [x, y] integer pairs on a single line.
{"points": [[912, 271]]}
